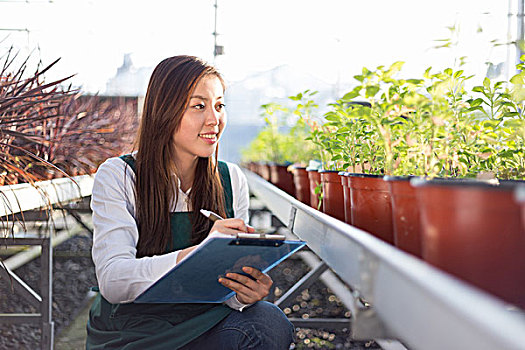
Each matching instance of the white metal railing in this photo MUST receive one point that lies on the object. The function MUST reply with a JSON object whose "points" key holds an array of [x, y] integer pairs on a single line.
{"points": [[24, 197], [416, 303]]}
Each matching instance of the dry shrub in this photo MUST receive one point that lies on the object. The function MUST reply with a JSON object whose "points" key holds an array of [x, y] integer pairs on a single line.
{"points": [[47, 130]]}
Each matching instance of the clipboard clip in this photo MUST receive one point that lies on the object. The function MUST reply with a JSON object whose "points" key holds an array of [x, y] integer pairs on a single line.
{"points": [[260, 235], [259, 239]]}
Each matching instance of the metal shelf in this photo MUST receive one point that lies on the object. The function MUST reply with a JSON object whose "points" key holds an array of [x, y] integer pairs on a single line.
{"points": [[414, 302]]}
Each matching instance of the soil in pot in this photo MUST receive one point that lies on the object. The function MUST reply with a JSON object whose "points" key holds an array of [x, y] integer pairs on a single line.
{"points": [[302, 184], [371, 206], [405, 215], [473, 230], [282, 178], [333, 201]]}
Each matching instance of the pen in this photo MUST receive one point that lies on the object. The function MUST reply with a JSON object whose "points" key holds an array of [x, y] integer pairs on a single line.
{"points": [[211, 215], [214, 217]]}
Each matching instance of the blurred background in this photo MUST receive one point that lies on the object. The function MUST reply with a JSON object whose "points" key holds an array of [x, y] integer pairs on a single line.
{"points": [[267, 50]]}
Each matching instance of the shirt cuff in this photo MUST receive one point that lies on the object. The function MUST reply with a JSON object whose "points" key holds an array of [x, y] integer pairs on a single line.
{"points": [[235, 304]]}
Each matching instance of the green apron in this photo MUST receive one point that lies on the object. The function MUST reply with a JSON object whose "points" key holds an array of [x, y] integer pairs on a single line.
{"points": [[157, 326]]}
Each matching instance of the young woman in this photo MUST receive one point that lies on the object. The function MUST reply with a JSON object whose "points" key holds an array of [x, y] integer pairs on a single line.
{"points": [[146, 220]]}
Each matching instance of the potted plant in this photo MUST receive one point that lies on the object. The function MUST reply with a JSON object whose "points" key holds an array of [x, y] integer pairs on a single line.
{"points": [[366, 148], [302, 150], [475, 231], [325, 182]]}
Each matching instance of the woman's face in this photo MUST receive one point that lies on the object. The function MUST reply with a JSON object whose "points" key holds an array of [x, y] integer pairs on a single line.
{"points": [[203, 121]]}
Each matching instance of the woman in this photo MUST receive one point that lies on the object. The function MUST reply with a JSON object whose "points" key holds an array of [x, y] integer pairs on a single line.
{"points": [[146, 220]]}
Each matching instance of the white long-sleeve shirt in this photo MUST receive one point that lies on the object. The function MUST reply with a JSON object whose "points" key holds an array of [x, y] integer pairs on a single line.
{"points": [[121, 275]]}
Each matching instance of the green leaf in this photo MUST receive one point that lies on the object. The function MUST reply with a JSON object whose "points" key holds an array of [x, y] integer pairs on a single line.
{"points": [[486, 82], [332, 117], [396, 66], [371, 91], [476, 108], [458, 74], [359, 78], [518, 79], [415, 81], [498, 85], [350, 95], [426, 75], [478, 89], [475, 102], [511, 114]]}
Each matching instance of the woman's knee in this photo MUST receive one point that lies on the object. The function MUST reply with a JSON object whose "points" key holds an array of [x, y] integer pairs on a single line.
{"points": [[272, 324], [261, 326]]}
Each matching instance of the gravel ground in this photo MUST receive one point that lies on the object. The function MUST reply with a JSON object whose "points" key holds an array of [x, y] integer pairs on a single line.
{"points": [[73, 275], [316, 301]]}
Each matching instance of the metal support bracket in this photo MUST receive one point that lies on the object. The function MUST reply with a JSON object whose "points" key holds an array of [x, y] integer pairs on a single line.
{"points": [[302, 284], [42, 302], [78, 219]]}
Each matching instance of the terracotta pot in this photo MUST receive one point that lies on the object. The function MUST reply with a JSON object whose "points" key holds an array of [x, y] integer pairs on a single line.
{"points": [[473, 230], [333, 202], [371, 205], [282, 178], [264, 171], [405, 215], [252, 166], [346, 197], [314, 178], [302, 184]]}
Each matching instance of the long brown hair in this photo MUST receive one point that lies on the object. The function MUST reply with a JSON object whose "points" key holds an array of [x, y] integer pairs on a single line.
{"points": [[170, 88]]}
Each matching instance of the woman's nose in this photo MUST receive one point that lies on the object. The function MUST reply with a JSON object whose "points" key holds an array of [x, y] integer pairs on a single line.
{"points": [[213, 117]]}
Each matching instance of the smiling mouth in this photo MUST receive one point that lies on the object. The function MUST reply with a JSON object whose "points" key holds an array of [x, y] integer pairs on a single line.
{"points": [[211, 137]]}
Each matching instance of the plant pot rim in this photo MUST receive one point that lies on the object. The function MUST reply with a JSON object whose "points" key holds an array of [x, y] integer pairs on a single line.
{"points": [[299, 167], [506, 185], [363, 175], [329, 171], [285, 164], [399, 177]]}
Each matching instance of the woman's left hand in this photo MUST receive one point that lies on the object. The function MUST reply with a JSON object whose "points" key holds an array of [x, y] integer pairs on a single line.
{"points": [[248, 291]]}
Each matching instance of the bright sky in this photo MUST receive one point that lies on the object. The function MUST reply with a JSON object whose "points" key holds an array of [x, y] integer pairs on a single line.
{"points": [[329, 39]]}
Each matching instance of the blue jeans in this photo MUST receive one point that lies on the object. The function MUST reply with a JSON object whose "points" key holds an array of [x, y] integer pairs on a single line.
{"points": [[261, 326]]}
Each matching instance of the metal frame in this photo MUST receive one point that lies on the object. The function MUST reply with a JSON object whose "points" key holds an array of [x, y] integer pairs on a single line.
{"points": [[43, 301], [25, 197], [412, 301]]}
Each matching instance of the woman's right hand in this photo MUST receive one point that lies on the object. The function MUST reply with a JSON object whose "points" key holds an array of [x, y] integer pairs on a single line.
{"points": [[227, 226], [231, 226]]}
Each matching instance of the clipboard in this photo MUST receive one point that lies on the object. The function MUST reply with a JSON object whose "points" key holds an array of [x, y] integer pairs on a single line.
{"points": [[195, 279]]}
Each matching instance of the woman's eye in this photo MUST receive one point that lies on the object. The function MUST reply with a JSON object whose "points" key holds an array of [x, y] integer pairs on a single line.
{"points": [[199, 106], [220, 106]]}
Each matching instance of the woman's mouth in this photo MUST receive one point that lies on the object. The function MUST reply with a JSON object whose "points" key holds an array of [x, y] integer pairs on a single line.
{"points": [[209, 138]]}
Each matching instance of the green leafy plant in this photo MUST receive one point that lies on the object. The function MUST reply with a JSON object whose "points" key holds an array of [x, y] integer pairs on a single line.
{"points": [[430, 126], [280, 143]]}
